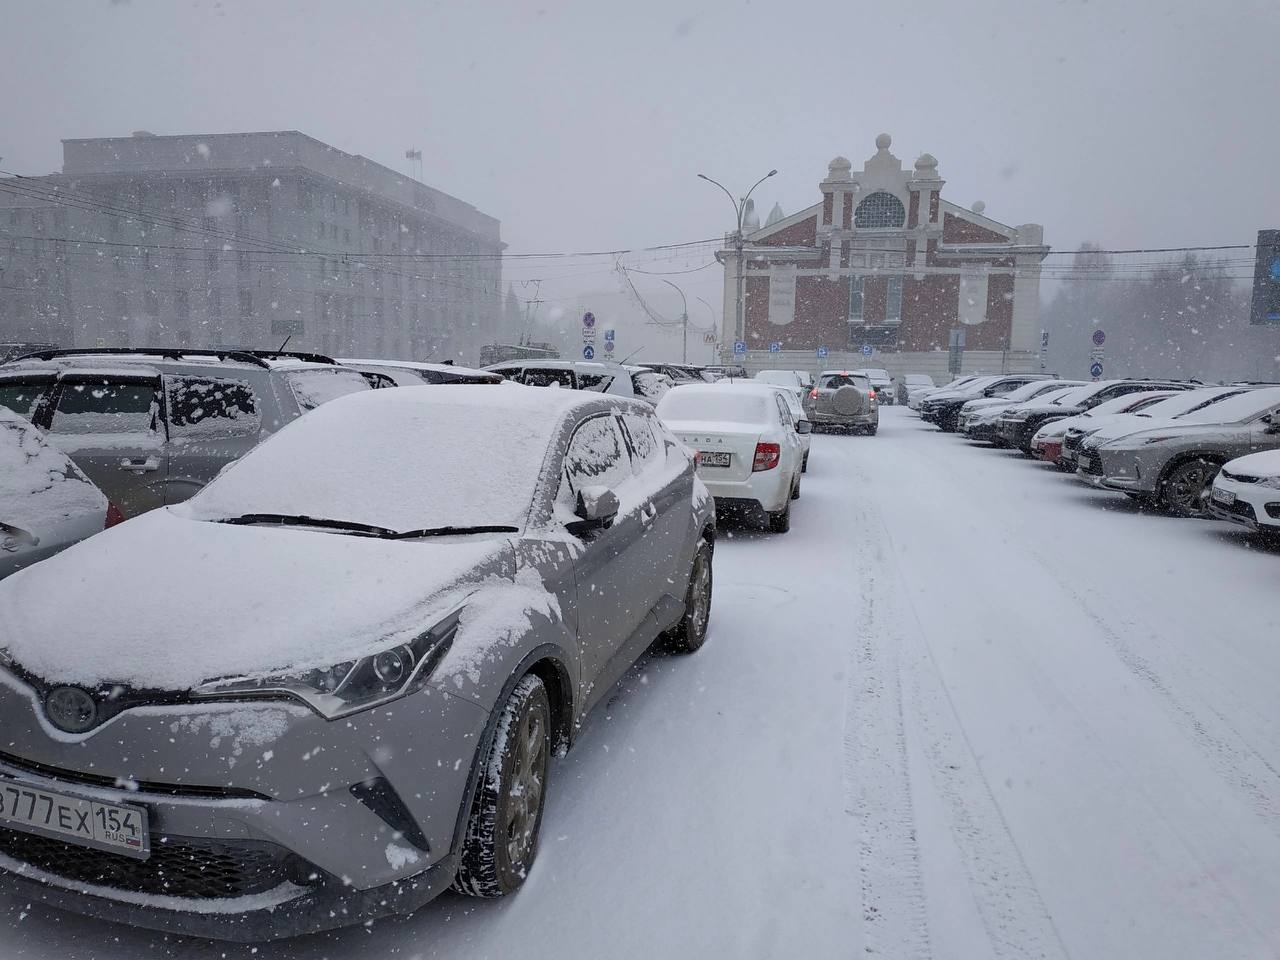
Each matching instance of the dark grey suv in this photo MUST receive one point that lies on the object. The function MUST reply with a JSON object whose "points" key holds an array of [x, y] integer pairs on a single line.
{"points": [[151, 427]]}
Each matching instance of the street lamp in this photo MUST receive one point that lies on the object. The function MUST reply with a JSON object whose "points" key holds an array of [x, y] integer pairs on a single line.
{"points": [[714, 325], [738, 207], [684, 319]]}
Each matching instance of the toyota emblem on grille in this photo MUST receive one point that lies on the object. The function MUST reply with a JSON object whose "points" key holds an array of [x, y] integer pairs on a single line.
{"points": [[71, 709]]}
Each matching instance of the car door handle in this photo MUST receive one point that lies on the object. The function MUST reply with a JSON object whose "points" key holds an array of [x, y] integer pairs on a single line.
{"points": [[141, 464]]}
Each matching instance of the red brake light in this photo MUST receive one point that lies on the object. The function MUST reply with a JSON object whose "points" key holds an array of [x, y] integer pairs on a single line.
{"points": [[872, 393], [813, 394], [697, 458], [767, 456], [114, 516]]}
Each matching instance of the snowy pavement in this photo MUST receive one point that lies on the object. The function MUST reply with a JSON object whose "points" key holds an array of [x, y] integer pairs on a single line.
{"points": [[967, 708]]}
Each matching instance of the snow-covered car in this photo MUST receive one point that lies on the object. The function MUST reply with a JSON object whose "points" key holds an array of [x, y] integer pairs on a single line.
{"points": [[804, 429], [410, 373], [1174, 462], [679, 372], [46, 501], [913, 383], [1048, 442], [649, 385], [1121, 416], [798, 382], [151, 426], [1018, 425], [982, 412], [747, 444], [881, 383], [592, 375], [843, 400], [920, 394], [326, 688], [1247, 491]]}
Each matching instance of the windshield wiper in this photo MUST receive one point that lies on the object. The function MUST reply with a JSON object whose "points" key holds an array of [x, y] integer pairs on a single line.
{"points": [[382, 533], [450, 531], [291, 520]]}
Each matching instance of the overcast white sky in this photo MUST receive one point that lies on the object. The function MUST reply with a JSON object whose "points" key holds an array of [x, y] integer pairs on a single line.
{"points": [[582, 125]]}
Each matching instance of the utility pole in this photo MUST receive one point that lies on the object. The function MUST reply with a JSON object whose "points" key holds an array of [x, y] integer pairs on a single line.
{"points": [[684, 320], [739, 245]]}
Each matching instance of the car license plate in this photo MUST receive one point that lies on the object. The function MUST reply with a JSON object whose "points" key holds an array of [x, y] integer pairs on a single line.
{"points": [[105, 826], [1224, 497], [715, 458]]}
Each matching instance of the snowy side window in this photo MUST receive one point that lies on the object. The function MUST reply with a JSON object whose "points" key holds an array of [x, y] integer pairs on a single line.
{"points": [[596, 382], [21, 396], [536, 377], [596, 455], [314, 387], [648, 452], [101, 406], [210, 408]]}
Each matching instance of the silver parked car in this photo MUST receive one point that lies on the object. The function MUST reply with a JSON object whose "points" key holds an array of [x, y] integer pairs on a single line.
{"points": [[46, 502], [844, 401], [151, 427], [1175, 462], [326, 688]]}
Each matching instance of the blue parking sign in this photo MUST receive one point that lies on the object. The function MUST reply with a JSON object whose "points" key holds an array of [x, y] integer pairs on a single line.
{"points": [[739, 346], [775, 347], [867, 350], [822, 353]]}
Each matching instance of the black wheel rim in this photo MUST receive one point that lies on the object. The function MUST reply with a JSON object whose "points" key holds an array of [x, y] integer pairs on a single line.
{"points": [[524, 797], [1187, 487], [700, 599]]}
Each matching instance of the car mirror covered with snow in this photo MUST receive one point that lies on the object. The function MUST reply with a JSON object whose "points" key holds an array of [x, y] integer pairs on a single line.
{"points": [[596, 508]]}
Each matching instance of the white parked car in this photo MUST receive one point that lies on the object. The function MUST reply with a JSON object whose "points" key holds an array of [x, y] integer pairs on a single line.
{"points": [[881, 382], [804, 429], [798, 381], [410, 373], [649, 385], [913, 383], [1247, 491], [747, 444], [46, 502]]}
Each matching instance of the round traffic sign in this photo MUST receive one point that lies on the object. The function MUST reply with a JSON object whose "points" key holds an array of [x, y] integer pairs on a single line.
{"points": [[588, 319], [1099, 338], [588, 352], [1095, 370], [608, 346]]}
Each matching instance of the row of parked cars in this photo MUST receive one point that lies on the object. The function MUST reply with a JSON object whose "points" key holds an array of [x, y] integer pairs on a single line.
{"points": [[1193, 449], [286, 642]]}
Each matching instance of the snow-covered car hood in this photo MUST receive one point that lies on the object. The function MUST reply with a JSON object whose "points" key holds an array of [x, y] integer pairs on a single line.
{"points": [[983, 403], [1125, 424], [1264, 464], [168, 602], [1172, 429]]}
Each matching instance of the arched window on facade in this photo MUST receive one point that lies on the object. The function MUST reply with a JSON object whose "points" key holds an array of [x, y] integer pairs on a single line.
{"points": [[878, 210]]}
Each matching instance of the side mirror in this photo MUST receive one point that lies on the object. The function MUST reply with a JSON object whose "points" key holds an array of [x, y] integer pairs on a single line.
{"points": [[596, 509], [804, 426]]}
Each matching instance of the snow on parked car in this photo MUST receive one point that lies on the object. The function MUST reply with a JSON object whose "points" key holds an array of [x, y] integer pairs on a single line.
{"points": [[46, 501], [368, 555], [748, 445], [1247, 491]]}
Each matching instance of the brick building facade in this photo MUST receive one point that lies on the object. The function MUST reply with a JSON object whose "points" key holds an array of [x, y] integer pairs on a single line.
{"points": [[882, 261], [244, 239]]}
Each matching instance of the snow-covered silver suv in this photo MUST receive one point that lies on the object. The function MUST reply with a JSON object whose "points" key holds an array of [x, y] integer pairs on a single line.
{"points": [[844, 401], [326, 688], [151, 427]]}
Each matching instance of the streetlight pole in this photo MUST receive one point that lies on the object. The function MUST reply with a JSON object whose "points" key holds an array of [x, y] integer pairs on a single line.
{"points": [[684, 318], [714, 325], [738, 207]]}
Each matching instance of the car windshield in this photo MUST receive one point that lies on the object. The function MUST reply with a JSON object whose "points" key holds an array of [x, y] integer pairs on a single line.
{"points": [[1242, 406], [714, 404], [1181, 404], [335, 463], [834, 381], [1027, 391]]}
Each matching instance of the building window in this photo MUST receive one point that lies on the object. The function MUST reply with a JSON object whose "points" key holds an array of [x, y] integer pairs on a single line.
{"points": [[242, 259], [181, 305], [246, 304], [973, 295], [122, 305], [893, 301], [880, 210], [855, 299], [213, 300], [151, 303]]}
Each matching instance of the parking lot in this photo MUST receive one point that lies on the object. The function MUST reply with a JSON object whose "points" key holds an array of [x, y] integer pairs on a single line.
{"points": [[967, 707]]}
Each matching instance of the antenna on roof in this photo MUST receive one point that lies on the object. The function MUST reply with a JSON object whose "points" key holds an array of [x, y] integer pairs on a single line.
{"points": [[285, 344], [630, 355]]}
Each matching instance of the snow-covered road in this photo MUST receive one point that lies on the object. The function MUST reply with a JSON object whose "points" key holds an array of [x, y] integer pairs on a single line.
{"points": [[967, 708]]}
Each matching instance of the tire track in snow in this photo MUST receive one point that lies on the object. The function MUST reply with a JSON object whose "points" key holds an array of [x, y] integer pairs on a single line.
{"points": [[878, 788], [1013, 914]]}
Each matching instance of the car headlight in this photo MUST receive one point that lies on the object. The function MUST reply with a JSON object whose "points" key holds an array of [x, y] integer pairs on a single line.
{"points": [[353, 685]]}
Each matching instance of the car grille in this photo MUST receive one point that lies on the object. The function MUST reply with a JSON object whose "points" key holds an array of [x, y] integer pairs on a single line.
{"points": [[1240, 477], [1093, 466], [1240, 508], [190, 868]]}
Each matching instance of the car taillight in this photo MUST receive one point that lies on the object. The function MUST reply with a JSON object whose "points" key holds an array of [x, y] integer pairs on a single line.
{"points": [[813, 394], [697, 458], [114, 516], [767, 456], [871, 394]]}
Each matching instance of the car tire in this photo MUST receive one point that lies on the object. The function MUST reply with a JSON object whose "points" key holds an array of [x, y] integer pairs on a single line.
{"points": [[780, 522], [1186, 487], [871, 431], [691, 632], [795, 491], [804, 464], [501, 841]]}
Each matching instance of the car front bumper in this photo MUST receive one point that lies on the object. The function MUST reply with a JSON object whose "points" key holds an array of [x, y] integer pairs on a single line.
{"points": [[265, 819], [1254, 507]]}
